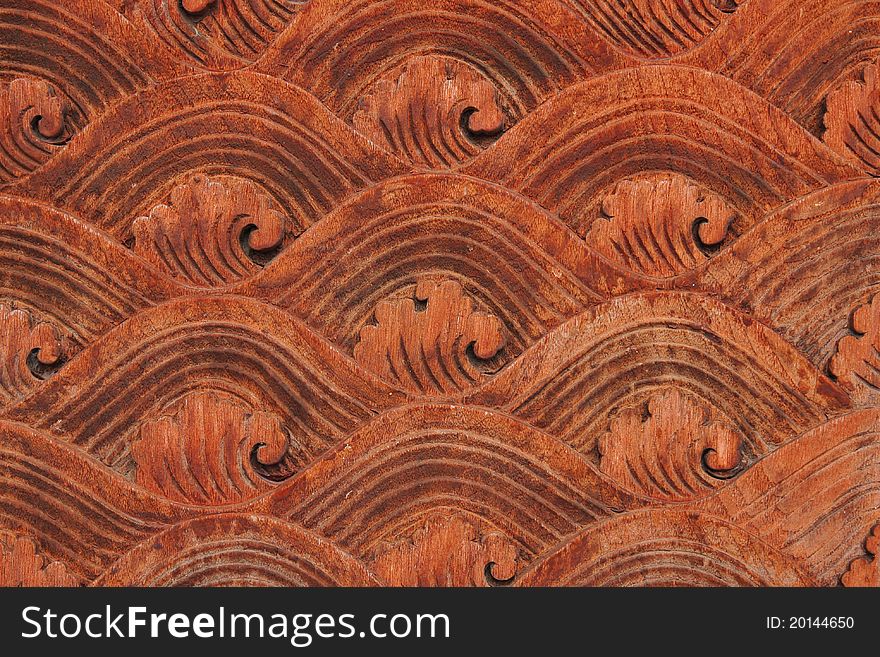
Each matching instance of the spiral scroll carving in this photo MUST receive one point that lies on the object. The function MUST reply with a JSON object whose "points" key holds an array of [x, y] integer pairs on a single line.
{"points": [[35, 121], [448, 552], [212, 232], [30, 350], [435, 112], [435, 343], [209, 451], [662, 225], [671, 449]]}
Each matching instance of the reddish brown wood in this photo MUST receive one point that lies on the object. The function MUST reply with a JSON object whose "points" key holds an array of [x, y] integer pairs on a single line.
{"points": [[439, 292]]}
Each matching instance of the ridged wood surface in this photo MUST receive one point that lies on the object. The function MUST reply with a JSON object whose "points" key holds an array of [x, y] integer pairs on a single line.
{"points": [[440, 292]]}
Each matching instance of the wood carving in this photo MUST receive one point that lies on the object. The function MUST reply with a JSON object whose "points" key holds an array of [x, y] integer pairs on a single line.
{"points": [[439, 292], [857, 361], [651, 28], [30, 352], [449, 552], [437, 350], [436, 112], [212, 451], [660, 226], [20, 565], [34, 122], [852, 120], [669, 449], [865, 571], [214, 232]]}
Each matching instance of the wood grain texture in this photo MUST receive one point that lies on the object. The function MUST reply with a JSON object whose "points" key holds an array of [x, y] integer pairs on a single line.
{"points": [[439, 292]]}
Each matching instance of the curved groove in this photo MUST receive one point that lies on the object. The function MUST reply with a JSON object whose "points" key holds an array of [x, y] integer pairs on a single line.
{"points": [[774, 270], [339, 48], [72, 273], [408, 461], [695, 123], [809, 496], [653, 30], [250, 350], [576, 378], [527, 268], [239, 124], [84, 48], [236, 550], [226, 34], [80, 512], [793, 52], [665, 547]]}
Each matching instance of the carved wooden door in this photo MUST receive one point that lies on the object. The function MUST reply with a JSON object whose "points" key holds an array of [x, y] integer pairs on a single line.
{"points": [[439, 292]]}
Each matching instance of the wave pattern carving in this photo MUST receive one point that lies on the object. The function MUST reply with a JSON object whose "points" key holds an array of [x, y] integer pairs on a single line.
{"points": [[439, 292]]}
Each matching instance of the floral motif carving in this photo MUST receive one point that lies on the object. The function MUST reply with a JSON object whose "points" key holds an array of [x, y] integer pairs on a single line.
{"points": [[435, 343], [661, 226], [210, 450], [435, 112], [214, 231], [852, 120], [449, 551], [671, 450]]}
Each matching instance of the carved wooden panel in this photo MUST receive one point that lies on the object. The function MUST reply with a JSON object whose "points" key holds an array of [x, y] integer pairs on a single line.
{"points": [[440, 292]]}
